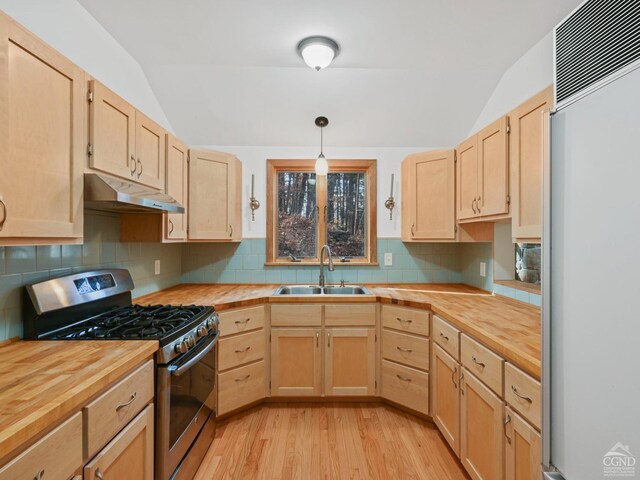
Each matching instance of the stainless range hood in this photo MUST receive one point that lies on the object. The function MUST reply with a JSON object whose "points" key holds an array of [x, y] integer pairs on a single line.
{"points": [[112, 195]]}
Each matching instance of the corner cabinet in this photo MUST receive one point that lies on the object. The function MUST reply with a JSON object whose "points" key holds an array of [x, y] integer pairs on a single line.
{"points": [[42, 109], [428, 196], [482, 174], [215, 203]]}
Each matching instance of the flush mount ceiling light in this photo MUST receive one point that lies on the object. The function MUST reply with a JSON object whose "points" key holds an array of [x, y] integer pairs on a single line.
{"points": [[318, 52], [322, 167]]}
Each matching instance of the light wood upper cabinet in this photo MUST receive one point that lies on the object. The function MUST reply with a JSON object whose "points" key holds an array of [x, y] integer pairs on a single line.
{"points": [[482, 173], [527, 144], [296, 368], [428, 199], [123, 141], [522, 449], [481, 424], [445, 396], [42, 109], [177, 184], [129, 454], [350, 361], [215, 184]]}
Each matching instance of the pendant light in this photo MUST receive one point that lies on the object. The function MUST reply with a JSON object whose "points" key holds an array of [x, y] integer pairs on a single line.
{"points": [[318, 52], [322, 167]]}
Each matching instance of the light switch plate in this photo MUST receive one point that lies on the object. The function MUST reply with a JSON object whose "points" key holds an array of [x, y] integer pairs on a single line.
{"points": [[388, 259], [157, 267], [483, 269]]}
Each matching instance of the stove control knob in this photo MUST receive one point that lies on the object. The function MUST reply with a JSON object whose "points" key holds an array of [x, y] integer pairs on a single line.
{"points": [[181, 347], [202, 331], [191, 341]]}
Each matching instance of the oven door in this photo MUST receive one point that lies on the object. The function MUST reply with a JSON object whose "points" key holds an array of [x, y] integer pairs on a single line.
{"points": [[185, 401]]}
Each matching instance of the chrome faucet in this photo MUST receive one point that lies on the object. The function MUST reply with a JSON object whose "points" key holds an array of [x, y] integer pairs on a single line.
{"points": [[331, 267]]}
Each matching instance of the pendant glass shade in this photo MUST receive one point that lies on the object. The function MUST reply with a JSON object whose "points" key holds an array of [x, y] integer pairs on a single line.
{"points": [[322, 166]]}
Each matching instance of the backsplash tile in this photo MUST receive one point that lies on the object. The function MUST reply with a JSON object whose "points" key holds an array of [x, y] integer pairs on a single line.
{"points": [[20, 259]]}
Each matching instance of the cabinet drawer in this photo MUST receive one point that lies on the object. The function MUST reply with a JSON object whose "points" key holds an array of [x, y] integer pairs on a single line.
{"points": [[447, 337], [407, 349], [350, 315], [405, 386], [240, 349], [523, 393], [409, 320], [296, 315], [240, 386], [58, 454], [242, 320], [482, 362], [111, 411]]}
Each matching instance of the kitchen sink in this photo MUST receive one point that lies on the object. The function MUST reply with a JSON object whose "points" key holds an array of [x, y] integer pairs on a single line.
{"points": [[315, 290]]}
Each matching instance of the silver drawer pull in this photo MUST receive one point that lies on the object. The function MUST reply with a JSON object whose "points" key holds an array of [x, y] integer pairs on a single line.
{"points": [[453, 377], [515, 391], [246, 349], [135, 166], [126, 404], [4, 213], [404, 379], [242, 379], [507, 420], [39, 475], [403, 320], [99, 474], [404, 350], [442, 335], [242, 322], [480, 364]]}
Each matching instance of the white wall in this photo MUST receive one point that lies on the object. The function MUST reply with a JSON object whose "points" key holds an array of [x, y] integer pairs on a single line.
{"points": [[254, 161], [532, 73], [71, 30]]}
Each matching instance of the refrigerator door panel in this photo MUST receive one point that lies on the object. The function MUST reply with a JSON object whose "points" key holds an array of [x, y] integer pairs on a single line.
{"points": [[593, 282]]}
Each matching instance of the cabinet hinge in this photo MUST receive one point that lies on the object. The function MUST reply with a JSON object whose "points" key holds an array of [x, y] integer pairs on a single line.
{"points": [[508, 199], [269, 384], [89, 149], [508, 129], [375, 337], [375, 382], [455, 157], [188, 156], [269, 338], [90, 96], [455, 229]]}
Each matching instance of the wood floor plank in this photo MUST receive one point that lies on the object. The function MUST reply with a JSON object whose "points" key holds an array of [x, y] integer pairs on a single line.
{"points": [[328, 441]]}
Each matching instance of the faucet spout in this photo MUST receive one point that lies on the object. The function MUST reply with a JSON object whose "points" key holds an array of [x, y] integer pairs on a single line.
{"points": [[321, 280]]}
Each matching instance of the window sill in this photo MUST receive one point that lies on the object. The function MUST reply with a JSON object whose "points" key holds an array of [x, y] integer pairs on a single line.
{"points": [[336, 263], [526, 287]]}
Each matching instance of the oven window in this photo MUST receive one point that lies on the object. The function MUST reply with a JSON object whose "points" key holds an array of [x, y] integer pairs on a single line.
{"points": [[189, 392]]}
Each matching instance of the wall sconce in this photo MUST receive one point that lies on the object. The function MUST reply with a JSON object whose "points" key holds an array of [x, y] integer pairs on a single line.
{"points": [[253, 203], [390, 203]]}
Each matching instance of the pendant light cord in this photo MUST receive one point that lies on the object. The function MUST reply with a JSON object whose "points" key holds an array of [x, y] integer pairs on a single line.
{"points": [[321, 141]]}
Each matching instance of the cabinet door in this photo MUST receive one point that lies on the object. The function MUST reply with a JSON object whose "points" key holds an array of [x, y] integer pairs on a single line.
{"points": [[526, 146], [350, 367], [522, 448], [445, 397], [213, 188], [430, 190], [129, 454], [467, 178], [41, 139], [112, 133], [493, 160], [295, 362], [150, 152], [175, 225], [482, 445]]}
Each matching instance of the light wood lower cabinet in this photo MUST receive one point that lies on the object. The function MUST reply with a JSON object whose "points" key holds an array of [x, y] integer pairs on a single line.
{"points": [[481, 430], [350, 361], [240, 386], [522, 448], [296, 368], [445, 396], [405, 386], [129, 454]]}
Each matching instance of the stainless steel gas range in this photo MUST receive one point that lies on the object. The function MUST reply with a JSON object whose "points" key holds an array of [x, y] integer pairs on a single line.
{"points": [[97, 305]]}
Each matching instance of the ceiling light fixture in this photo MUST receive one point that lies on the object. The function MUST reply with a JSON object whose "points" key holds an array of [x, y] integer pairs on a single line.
{"points": [[318, 52], [322, 167]]}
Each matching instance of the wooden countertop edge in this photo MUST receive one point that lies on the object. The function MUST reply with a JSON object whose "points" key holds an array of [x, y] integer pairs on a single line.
{"points": [[31, 428]]}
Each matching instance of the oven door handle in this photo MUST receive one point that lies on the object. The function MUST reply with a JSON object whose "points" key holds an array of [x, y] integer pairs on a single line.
{"points": [[206, 349]]}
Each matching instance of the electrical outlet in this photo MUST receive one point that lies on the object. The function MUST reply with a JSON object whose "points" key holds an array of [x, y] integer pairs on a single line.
{"points": [[483, 269], [157, 267], [388, 259]]}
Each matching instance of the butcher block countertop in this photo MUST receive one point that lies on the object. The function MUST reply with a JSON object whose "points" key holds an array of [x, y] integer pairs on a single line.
{"points": [[44, 382], [509, 327]]}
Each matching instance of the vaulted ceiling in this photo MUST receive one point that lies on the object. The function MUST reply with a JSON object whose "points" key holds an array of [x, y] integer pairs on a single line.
{"points": [[410, 72]]}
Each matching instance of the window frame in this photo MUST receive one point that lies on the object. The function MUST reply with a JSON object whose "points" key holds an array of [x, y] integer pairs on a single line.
{"points": [[368, 167]]}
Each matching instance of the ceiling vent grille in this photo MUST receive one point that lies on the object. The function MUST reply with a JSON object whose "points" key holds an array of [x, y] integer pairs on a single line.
{"points": [[597, 43]]}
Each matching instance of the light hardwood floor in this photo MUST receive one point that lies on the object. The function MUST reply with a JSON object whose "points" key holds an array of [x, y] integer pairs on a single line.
{"points": [[309, 441]]}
